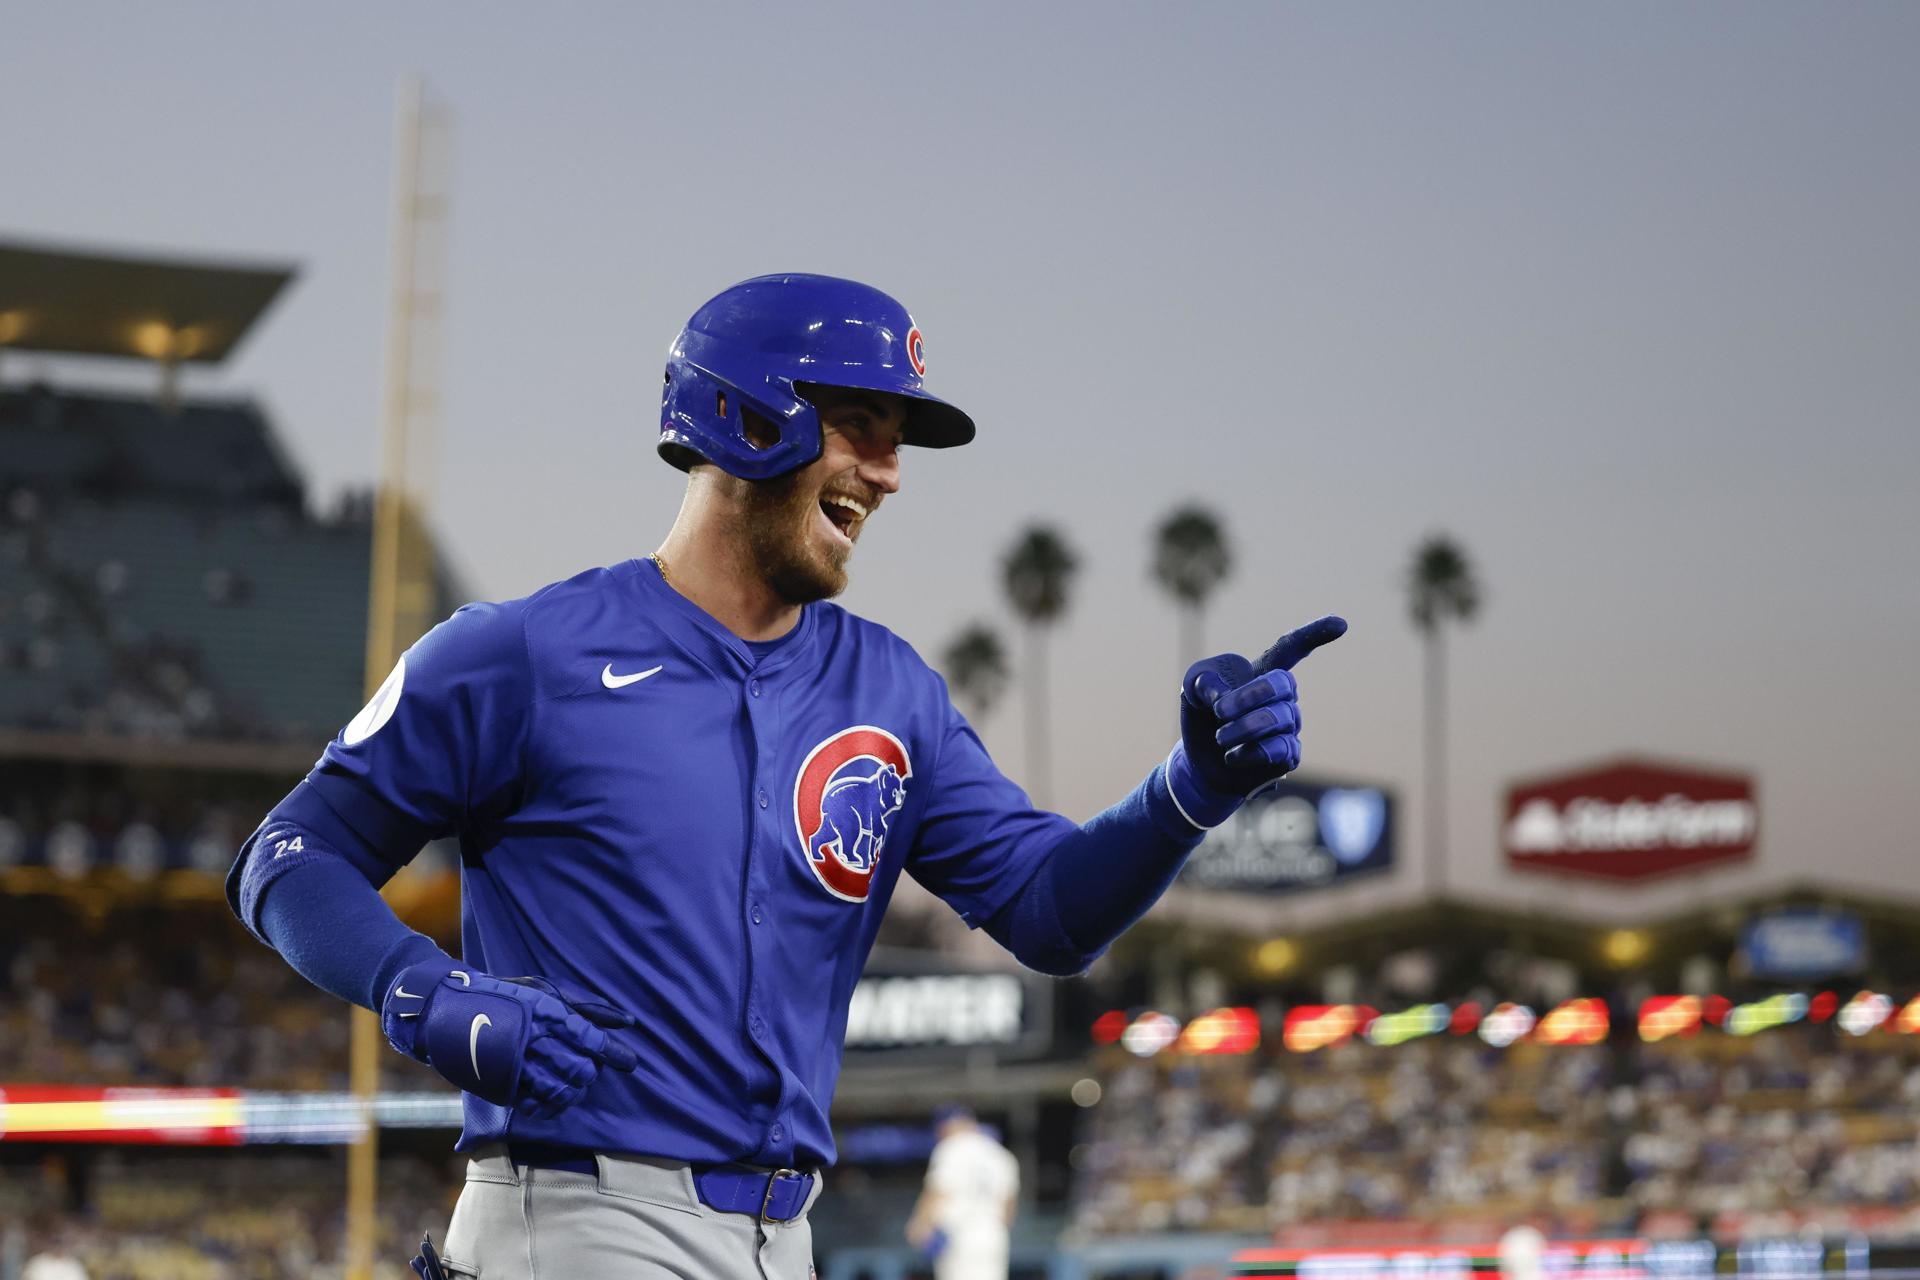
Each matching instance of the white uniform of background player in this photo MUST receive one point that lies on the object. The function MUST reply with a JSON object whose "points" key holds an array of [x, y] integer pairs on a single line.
{"points": [[55, 1264], [1522, 1254], [972, 1185]]}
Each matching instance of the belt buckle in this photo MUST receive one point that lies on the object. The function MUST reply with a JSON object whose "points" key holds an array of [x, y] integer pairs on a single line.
{"points": [[766, 1200]]}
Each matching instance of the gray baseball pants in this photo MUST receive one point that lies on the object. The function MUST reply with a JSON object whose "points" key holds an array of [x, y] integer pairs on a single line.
{"points": [[635, 1219]]}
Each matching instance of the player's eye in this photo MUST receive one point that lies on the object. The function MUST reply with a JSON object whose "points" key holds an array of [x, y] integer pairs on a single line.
{"points": [[859, 426], [862, 425]]}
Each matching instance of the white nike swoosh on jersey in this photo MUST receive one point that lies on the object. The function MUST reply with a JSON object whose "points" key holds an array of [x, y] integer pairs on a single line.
{"points": [[473, 1040], [613, 681]]}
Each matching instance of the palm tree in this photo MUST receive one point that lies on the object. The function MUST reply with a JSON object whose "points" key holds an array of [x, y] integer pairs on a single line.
{"points": [[1190, 559], [976, 665], [1037, 572], [1441, 587]]}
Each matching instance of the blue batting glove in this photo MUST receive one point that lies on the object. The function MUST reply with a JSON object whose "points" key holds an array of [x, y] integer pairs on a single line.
{"points": [[426, 1263], [516, 1042], [1240, 724]]}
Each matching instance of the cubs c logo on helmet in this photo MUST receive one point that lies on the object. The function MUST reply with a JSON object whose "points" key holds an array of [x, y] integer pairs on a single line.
{"points": [[917, 352], [850, 787]]}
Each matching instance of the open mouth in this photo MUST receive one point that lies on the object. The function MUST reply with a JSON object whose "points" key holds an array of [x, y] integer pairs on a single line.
{"points": [[843, 515]]}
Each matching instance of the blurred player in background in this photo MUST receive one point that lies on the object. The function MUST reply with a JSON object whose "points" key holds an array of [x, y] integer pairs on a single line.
{"points": [[55, 1261], [1523, 1251], [685, 788], [964, 1216]]}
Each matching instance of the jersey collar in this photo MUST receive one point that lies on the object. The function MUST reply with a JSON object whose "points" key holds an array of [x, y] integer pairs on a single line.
{"points": [[698, 629]]}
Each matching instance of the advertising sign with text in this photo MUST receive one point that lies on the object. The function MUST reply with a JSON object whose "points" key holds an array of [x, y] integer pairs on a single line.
{"points": [[1631, 820], [1296, 835]]}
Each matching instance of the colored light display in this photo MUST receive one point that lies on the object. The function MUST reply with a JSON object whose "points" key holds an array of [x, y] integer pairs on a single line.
{"points": [[1864, 1012], [1582, 1021], [1409, 1024], [1317, 1026], [1665, 1016], [1505, 1024], [208, 1117], [1223, 1031], [1149, 1034], [1697, 1258], [1762, 1015]]}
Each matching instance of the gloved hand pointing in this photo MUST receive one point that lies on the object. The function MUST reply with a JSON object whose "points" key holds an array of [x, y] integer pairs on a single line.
{"points": [[1240, 724]]}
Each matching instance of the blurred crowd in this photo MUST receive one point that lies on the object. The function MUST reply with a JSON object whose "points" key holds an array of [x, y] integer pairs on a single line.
{"points": [[70, 661], [162, 579], [1783, 1120], [74, 829], [217, 1217], [1450, 1130], [178, 996]]}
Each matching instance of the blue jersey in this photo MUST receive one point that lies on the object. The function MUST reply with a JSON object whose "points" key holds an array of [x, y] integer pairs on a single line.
{"points": [[700, 833]]}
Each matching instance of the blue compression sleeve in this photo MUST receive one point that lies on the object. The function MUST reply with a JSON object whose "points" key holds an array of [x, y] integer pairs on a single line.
{"points": [[1097, 881], [332, 926]]}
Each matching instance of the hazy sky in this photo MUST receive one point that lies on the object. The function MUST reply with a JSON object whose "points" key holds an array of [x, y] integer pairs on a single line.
{"points": [[1625, 297]]}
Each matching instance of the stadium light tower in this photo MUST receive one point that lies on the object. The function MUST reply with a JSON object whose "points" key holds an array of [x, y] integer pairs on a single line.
{"points": [[401, 586]]}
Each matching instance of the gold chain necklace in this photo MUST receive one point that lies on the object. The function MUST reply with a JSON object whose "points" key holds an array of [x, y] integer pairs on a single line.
{"points": [[661, 565]]}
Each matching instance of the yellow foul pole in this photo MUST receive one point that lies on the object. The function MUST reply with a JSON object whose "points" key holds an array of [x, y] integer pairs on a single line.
{"points": [[400, 581]]}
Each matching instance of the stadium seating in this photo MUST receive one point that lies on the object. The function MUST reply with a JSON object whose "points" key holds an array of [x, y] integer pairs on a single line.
{"points": [[272, 608], [96, 442], [161, 576], [193, 1216], [1459, 1138], [172, 995]]}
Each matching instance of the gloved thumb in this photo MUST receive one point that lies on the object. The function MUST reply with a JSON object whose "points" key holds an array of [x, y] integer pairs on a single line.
{"points": [[1210, 679]]}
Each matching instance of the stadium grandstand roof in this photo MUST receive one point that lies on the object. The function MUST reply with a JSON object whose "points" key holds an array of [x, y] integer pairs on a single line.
{"points": [[174, 310]]}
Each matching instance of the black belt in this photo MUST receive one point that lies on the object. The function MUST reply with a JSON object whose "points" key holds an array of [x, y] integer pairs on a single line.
{"points": [[771, 1195]]}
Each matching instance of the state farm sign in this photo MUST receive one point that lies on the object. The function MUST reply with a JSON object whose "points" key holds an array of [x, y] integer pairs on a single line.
{"points": [[1630, 820]]}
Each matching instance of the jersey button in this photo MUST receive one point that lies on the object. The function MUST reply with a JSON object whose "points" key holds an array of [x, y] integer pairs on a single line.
{"points": [[776, 1133], [756, 913], [757, 1025], [764, 802], [753, 687]]}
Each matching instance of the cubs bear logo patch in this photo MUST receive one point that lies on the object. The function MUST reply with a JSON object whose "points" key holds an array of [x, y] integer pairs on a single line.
{"points": [[849, 788]]}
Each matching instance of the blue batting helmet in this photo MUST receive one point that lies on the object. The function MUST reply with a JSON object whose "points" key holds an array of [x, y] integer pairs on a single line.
{"points": [[750, 348]]}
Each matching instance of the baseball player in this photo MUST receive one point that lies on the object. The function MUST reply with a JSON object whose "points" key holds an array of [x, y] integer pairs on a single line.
{"points": [[966, 1208], [684, 788]]}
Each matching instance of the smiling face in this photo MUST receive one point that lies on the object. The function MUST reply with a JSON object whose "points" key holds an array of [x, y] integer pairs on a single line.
{"points": [[802, 526]]}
